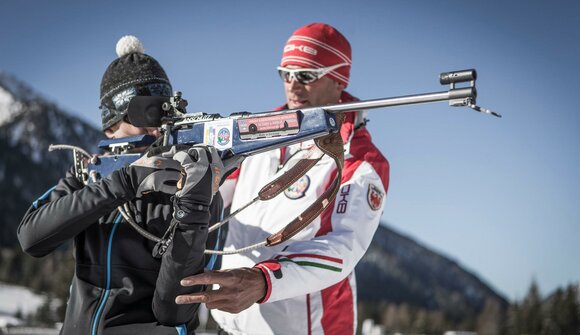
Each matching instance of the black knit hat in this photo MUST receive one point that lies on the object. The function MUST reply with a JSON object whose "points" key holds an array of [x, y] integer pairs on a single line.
{"points": [[133, 73]]}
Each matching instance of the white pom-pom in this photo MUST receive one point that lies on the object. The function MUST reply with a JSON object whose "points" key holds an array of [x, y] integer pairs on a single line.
{"points": [[129, 44]]}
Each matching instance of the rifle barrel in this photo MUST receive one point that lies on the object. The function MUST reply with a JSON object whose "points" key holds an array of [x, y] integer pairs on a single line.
{"points": [[402, 100]]}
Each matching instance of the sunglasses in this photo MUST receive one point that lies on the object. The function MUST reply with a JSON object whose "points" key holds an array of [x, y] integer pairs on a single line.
{"points": [[306, 76]]}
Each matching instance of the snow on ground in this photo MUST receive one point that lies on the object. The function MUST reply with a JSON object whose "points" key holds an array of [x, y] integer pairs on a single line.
{"points": [[7, 320], [15, 299], [8, 106]]}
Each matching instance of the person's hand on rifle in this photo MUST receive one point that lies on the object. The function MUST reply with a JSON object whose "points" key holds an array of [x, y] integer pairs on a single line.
{"points": [[201, 173], [191, 173]]}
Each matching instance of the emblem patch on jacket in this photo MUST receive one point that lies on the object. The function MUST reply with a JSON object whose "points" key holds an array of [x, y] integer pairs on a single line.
{"points": [[298, 189], [375, 197]]}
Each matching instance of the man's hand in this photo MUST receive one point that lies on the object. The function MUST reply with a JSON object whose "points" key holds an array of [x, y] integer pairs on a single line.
{"points": [[239, 289]]}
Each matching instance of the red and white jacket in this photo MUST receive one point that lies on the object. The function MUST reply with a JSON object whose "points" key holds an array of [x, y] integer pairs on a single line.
{"points": [[311, 282]]}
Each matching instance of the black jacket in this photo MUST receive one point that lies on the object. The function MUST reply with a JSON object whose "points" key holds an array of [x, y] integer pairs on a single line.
{"points": [[118, 287]]}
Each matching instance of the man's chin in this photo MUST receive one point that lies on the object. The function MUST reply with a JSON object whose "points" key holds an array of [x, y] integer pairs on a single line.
{"points": [[295, 105]]}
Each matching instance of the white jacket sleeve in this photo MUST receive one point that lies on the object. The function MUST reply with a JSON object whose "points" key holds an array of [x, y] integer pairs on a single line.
{"points": [[228, 188], [307, 266]]}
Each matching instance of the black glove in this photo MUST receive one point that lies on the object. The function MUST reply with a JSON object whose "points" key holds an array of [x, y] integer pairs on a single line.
{"points": [[202, 170], [153, 172]]}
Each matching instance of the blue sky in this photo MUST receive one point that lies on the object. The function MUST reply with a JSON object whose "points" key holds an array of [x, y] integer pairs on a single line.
{"points": [[500, 196]]}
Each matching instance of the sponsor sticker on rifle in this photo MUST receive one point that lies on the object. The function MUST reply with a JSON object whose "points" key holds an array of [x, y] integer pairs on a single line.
{"points": [[252, 128], [218, 134], [375, 197]]}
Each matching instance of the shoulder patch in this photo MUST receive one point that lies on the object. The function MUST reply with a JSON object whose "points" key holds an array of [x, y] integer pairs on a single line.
{"points": [[298, 189], [375, 197]]}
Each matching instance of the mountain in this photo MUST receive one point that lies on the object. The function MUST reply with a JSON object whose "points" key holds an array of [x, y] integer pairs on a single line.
{"points": [[29, 123], [398, 270]]}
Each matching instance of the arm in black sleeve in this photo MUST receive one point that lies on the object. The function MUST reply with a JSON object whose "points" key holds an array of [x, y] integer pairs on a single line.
{"points": [[70, 209], [183, 258]]}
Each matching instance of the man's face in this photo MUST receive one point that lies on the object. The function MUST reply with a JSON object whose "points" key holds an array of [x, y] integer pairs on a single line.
{"points": [[321, 92], [124, 129]]}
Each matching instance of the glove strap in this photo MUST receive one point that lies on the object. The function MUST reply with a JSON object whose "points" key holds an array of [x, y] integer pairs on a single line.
{"points": [[163, 244]]}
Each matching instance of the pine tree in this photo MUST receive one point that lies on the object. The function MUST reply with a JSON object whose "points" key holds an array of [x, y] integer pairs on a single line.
{"points": [[514, 319], [572, 302], [44, 314], [531, 310], [565, 312], [490, 319]]}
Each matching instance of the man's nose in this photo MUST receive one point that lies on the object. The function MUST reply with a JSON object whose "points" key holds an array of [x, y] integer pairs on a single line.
{"points": [[294, 84]]}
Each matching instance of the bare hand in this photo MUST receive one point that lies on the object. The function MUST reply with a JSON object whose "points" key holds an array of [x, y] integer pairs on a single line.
{"points": [[239, 289]]}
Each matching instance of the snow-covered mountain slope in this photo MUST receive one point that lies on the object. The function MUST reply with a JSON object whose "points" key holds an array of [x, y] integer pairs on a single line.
{"points": [[28, 125]]}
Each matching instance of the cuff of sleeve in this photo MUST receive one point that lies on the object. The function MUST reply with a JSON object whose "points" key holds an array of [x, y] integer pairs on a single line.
{"points": [[268, 268], [194, 218]]}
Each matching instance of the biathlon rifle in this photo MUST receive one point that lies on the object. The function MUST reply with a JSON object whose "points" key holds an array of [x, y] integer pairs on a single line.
{"points": [[244, 134]]}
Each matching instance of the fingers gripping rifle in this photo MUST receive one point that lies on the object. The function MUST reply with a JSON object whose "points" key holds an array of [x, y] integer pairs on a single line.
{"points": [[244, 134]]}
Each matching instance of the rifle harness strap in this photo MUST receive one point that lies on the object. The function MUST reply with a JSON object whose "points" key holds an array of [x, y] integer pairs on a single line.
{"points": [[332, 146], [278, 185]]}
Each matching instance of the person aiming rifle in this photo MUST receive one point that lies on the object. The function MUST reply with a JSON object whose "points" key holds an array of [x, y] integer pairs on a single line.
{"points": [[305, 285], [119, 287]]}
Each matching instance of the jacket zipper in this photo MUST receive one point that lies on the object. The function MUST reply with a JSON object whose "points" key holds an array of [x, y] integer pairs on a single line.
{"points": [[105, 295]]}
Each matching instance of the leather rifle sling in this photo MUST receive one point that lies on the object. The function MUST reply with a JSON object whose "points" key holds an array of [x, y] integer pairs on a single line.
{"points": [[333, 146], [289, 177], [276, 186]]}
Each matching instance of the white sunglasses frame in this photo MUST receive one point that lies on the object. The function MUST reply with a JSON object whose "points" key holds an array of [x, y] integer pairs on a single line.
{"points": [[319, 73]]}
